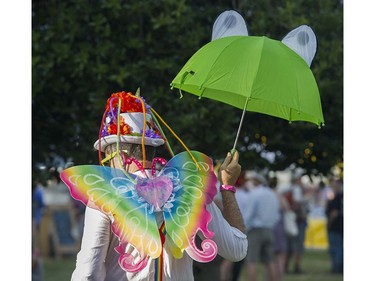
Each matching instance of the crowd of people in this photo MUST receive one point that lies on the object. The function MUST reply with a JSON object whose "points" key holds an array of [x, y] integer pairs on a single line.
{"points": [[276, 222], [264, 210], [51, 229]]}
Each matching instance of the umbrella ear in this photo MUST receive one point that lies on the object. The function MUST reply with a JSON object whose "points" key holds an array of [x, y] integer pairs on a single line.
{"points": [[302, 40], [229, 23]]}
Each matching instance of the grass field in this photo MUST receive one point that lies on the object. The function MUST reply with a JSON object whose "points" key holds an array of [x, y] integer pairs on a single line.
{"points": [[316, 267]]}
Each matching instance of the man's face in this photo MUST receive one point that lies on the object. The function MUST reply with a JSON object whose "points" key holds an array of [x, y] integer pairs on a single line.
{"points": [[116, 158], [118, 161]]}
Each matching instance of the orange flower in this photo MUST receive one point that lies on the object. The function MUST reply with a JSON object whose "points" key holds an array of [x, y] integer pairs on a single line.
{"points": [[112, 129], [124, 128], [128, 102]]}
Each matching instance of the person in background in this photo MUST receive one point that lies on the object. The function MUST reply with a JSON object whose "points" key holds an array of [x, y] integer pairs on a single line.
{"points": [[38, 204], [280, 245], [37, 269], [298, 204], [260, 216], [323, 193], [335, 227]]}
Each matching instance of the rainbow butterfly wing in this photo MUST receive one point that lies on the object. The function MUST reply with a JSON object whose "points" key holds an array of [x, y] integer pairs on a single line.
{"points": [[112, 192], [185, 214]]}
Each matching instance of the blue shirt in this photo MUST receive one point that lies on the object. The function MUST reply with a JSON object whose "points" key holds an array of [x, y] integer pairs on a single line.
{"points": [[262, 209], [37, 204]]}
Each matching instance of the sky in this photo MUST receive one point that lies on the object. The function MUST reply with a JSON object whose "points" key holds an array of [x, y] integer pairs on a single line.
{"points": [[359, 92]]}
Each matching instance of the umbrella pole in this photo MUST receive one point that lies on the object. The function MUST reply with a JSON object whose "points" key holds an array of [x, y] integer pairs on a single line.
{"points": [[239, 127]]}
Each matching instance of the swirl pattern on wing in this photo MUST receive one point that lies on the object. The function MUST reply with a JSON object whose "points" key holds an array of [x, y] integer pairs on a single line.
{"points": [[112, 192], [185, 213]]}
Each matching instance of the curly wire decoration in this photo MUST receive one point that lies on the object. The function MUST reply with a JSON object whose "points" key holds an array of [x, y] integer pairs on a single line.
{"points": [[100, 138], [177, 137], [119, 158], [111, 106], [106, 111], [162, 161], [130, 160], [144, 128]]}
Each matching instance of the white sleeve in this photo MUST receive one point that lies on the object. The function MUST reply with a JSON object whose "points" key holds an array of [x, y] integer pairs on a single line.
{"points": [[90, 259], [231, 242]]}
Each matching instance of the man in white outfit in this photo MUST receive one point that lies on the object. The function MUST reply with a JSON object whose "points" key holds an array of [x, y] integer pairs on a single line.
{"points": [[98, 259]]}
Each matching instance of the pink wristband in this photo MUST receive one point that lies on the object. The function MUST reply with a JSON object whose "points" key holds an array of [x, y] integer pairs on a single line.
{"points": [[228, 188]]}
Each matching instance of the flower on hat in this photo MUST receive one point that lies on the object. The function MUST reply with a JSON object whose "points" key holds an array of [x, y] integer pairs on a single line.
{"points": [[129, 104], [124, 128]]}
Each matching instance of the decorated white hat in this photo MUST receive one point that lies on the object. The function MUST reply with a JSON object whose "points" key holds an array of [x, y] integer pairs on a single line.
{"points": [[133, 117]]}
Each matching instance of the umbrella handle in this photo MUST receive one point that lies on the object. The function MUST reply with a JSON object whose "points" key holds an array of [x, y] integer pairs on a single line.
{"points": [[239, 127]]}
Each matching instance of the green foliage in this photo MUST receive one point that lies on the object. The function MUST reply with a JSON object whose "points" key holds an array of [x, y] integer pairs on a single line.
{"points": [[82, 51], [316, 150]]}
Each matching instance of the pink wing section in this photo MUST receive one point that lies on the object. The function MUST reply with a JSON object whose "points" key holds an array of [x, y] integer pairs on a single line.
{"points": [[112, 192], [182, 189], [186, 214]]}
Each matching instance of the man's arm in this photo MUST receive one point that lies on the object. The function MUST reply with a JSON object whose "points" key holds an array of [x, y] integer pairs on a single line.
{"points": [[231, 242], [228, 174]]}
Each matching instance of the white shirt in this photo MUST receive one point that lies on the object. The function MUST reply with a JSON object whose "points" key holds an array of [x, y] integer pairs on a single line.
{"points": [[297, 193], [97, 259]]}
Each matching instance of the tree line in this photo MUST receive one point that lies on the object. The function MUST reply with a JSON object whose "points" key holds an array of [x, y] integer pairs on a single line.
{"points": [[82, 51]]}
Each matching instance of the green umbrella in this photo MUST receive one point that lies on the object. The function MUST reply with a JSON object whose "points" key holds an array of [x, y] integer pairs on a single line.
{"points": [[254, 74]]}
